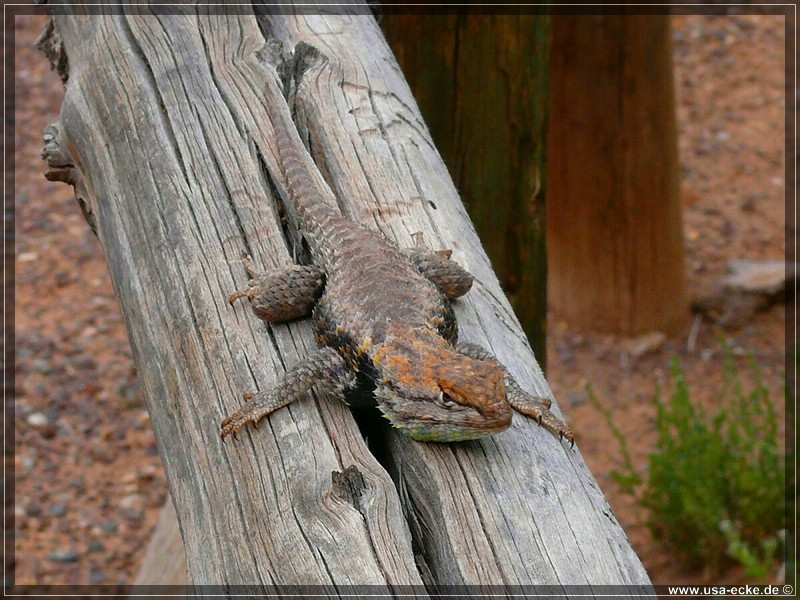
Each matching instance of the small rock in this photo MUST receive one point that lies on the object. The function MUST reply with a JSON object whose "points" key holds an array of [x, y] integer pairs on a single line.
{"points": [[102, 453], [142, 421], [42, 366], [88, 332], [577, 398], [748, 204], [96, 546], [63, 556], [132, 502], [131, 395], [58, 510], [134, 517], [130, 477], [37, 419], [644, 344], [28, 257], [110, 527], [96, 576], [43, 424], [64, 278], [565, 354], [33, 510], [768, 278], [84, 363], [27, 462]]}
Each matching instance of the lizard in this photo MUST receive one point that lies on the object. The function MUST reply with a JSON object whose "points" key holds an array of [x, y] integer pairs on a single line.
{"points": [[384, 323]]}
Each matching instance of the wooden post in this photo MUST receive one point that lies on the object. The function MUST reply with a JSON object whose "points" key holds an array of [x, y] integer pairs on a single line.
{"points": [[164, 119], [614, 233], [482, 86]]}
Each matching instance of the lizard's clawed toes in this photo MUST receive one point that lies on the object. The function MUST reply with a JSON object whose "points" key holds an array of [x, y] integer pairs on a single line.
{"points": [[234, 424]]}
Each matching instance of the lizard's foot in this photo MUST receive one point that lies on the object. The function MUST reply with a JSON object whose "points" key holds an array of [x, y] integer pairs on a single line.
{"points": [[248, 293], [249, 413], [249, 266], [536, 407], [253, 273], [539, 409]]}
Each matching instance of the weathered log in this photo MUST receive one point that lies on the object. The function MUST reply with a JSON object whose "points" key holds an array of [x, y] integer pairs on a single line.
{"points": [[164, 117], [164, 562]]}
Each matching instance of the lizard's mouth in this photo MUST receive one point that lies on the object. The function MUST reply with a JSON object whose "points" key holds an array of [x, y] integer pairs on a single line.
{"points": [[439, 432], [449, 418]]}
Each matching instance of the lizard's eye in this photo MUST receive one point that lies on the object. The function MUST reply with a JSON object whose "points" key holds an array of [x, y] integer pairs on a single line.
{"points": [[447, 401]]}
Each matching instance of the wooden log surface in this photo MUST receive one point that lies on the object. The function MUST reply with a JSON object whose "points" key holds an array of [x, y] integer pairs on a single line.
{"points": [[167, 118]]}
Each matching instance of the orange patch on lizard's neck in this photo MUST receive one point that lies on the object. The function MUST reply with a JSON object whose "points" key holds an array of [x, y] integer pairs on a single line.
{"points": [[413, 356]]}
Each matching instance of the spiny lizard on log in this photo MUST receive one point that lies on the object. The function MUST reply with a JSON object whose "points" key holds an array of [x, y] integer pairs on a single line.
{"points": [[384, 323]]}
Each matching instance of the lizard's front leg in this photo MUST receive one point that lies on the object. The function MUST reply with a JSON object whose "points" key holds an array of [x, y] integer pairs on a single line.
{"points": [[450, 278], [325, 368], [284, 294], [519, 399]]}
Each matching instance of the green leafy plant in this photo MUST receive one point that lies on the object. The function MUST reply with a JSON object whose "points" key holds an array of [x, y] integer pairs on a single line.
{"points": [[715, 484]]}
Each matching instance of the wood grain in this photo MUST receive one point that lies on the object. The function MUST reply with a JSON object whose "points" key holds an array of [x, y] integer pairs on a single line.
{"points": [[180, 189], [170, 130], [614, 230]]}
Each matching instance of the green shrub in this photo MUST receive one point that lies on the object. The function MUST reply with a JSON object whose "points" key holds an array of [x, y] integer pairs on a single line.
{"points": [[716, 485]]}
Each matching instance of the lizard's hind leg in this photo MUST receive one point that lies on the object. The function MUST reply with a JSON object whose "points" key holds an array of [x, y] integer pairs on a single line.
{"points": [[325, 368], [284, 294], [532, 406], [450, 278]]}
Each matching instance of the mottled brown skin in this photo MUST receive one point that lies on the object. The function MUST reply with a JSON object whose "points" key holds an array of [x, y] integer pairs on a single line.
{"points": [[386, 330]]}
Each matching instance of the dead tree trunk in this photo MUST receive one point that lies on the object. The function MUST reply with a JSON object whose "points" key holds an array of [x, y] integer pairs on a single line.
{"points": [[614, 232], [165, 118]]}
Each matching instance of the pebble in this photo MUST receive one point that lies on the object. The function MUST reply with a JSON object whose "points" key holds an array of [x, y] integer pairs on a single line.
{"points": [[131, 395], [577, 398], [102, 454], [28, 462], [78, 484], [84, 363], [42, 366], [37, 419], [110, 527], [96, 576], [63, 556], [142, 421], [64, 278], [43, 424], [132, 502], [644, 344], [767, 277], [33, 510], [58, 510], [134, 517], [96, 546]]}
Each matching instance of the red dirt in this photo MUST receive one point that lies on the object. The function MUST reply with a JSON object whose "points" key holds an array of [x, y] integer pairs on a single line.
{"points": [[89, 482]]}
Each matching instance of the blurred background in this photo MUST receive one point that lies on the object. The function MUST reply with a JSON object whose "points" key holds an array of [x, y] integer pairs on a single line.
{"points": [[640, 172]]}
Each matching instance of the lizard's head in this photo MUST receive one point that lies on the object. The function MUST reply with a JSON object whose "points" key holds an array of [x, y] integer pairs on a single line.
{"points": [[433, 393]]}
